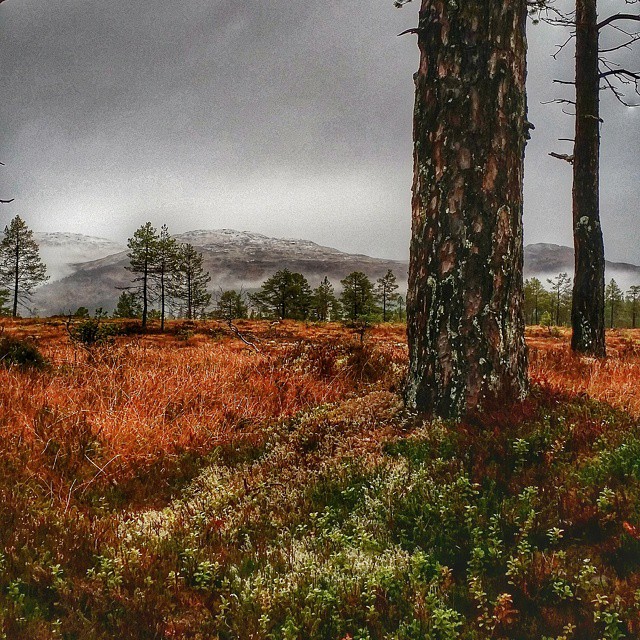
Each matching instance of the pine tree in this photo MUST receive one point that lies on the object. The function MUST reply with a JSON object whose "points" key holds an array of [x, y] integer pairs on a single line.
{"points": [[561, 292], [535, 295], [189, 284], [286, 294], [324, 302], [164, 267], [633, 295], [143, 255], [357, 297], [231, 306], [128, 306], [613, 298], [21, 269], [385, 287]]}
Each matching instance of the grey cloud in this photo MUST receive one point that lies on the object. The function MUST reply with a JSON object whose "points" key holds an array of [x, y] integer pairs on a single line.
{"points": [[280, 117]]}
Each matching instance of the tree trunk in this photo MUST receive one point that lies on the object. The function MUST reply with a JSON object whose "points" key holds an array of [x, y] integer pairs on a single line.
{"points": [[16, 280], [587, 309], [189, 296], [162, 299], [611, 324], [465, 297], [145, 279]]}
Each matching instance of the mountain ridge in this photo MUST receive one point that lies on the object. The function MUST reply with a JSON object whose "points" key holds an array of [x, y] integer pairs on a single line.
{"points": [[89, 270]]}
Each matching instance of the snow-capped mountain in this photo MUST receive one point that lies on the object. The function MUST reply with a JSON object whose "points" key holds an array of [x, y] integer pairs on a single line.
{"points": [[62, 251], [235, 259], [89, 271], [545, 261]]}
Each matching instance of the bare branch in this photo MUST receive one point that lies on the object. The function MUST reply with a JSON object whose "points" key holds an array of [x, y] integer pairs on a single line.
{"points": [[415, 30], [620, 72], [624, 45], [562, 156], [559, 101], [237, 333], [562, 46], [619, 96], [617, 17]]}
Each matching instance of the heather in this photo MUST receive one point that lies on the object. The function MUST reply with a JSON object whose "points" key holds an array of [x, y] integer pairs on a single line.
{"points": [[187, 485]]}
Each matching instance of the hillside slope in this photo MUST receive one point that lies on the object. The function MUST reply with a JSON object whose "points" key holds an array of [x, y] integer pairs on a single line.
{"points": [[88, 271]]}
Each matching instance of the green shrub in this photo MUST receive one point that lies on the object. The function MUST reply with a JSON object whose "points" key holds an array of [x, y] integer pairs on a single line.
{"points": [[92, 332], [23, 353]]}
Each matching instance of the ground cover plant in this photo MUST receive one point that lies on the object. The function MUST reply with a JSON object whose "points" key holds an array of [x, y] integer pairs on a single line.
{"points": [[189, 485]]}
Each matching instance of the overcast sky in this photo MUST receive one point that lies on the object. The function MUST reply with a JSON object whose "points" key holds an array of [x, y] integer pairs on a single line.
{"points": [[285, 118]]}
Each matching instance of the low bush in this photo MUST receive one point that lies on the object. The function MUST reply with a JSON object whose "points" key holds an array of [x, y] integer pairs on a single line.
{"points": [[20, 352]]}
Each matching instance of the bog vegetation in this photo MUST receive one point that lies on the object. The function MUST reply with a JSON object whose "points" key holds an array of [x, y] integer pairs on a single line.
{"points": [[185, 485]]}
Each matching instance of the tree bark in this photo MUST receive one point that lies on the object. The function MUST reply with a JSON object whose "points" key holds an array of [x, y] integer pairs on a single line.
{"points": [[162, 301], [465, 297], [145, 292], [16, 279], [587, 308]]}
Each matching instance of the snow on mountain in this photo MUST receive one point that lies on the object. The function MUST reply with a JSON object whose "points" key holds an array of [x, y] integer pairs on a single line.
{"points": [[62, 251], [235, 259], [545, 261], [91, 271], [251, 244]]}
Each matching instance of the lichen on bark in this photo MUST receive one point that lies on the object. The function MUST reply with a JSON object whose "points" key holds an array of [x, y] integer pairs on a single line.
{"points": [[465, 322]]}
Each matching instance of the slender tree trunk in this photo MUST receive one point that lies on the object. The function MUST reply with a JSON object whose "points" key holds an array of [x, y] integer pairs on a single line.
{"points": [[587, 309], [465, 297], [611, 323], [16, 279], [145, 278], [162, 299]]}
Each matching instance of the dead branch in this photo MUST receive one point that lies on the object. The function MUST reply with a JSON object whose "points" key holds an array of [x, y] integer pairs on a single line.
{"points": [[620, 72], [415, 30], [624, 45], [237, 333], [617, 17], [562, 156], [559, 101]]}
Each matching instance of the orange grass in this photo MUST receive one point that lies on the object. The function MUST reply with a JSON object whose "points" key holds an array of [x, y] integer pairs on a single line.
{"points": [[615, 379], [148, 397], [154, 397]]}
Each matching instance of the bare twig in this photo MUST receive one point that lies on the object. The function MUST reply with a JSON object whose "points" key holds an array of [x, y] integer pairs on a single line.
{"points": [[562, 156], [237, 333], [617, 17]]}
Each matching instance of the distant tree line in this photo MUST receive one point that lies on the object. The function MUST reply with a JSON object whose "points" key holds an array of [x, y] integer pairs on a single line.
{"points": [[551, 305], [169, 278], [287, 294]]}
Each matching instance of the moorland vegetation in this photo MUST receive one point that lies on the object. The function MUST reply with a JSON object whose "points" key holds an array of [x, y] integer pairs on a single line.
{"points": [[186, 485]]}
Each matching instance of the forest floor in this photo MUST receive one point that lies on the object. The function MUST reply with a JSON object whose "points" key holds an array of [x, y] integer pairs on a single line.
{"points": [[186, 485]]}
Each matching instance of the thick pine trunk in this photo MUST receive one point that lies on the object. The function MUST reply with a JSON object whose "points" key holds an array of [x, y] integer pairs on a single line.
{"points": [[587, 309], [465, 297]]}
